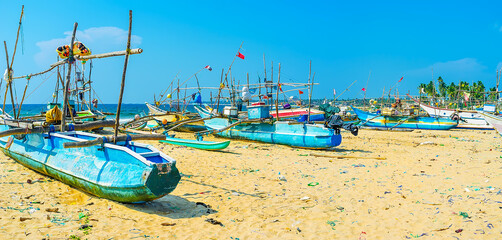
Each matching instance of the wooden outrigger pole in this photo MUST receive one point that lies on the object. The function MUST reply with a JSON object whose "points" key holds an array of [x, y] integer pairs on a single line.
{"points": [[9, 67], [9, 82], [128, 49], [277, 94], [65, 87]]}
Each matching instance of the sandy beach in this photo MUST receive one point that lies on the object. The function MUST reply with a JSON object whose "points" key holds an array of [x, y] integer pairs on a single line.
{"points": [[432, 185]]}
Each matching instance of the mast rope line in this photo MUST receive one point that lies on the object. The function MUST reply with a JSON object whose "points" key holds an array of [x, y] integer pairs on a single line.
{"points": [[43, 81]]}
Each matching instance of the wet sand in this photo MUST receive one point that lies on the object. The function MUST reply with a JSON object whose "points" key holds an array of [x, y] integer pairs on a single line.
{"points": [[432, 185]]}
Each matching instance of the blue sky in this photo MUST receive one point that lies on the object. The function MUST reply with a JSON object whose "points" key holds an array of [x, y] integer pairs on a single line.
{"points": [[346, 40]]}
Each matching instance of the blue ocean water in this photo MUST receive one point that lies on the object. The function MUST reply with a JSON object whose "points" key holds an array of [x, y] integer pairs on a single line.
{"points": [[127, 112]]}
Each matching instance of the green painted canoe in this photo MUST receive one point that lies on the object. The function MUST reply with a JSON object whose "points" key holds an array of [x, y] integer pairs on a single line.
{"points": [[205, 145]]}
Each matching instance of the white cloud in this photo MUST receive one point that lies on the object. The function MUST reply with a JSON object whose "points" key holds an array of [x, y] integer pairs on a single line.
{"points": [[97, 39], [465, 68], [462, 66]]}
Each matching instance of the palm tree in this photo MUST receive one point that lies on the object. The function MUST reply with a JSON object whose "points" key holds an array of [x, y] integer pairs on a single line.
{"points": [[493, 94], [452, 91], [441, 87], [430, 89]]}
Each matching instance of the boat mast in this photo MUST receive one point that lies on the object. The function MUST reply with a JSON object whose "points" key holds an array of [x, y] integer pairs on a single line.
{"points": [[90, 87], [271, 81], [56, 90], [498, 81], [9, 67], [128, 50], [247, 80], [219, 92], [366, 89], [9, 82], [277, 94], [310, 90], [65, 90]]}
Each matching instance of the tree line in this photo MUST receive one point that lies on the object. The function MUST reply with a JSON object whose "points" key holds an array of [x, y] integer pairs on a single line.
{"points": [[476, 91]]}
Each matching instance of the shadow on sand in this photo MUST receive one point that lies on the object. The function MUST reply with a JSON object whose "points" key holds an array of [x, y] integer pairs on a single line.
{"points": [[173, 207]]}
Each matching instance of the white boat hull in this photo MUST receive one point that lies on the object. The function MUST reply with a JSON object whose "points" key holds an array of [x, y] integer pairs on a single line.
{"points": [[468, 119], [494, 121]]}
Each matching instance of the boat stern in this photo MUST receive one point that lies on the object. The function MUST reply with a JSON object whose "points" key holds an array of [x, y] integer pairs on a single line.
{"points": [[162, 179]]}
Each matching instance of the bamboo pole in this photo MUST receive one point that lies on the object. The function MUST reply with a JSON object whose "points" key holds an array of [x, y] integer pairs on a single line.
{"points": [[219, 92], [214, 131], [366, 89], [22, 100], [381, 102], [90, 86], [310, 91], [264, 68], [56, 90], [247, 80], [65, 87], [30, 130], [346, 89], [102, 55], [17, 36], [114, 139], [185, 104], [269, 101], [128, 49], [8, 77], [498, 81], [277, 94], [187, 121], [259, 89], [229, 68], [9, 82], [178, 96]]}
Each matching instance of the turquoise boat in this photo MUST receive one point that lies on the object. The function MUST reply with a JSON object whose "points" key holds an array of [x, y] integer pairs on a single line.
{"points": [[260, 128], [205, 145], [128, 172], [411, 122]]}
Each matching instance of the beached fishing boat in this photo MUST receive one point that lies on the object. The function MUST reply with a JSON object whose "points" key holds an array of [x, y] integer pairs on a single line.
{"points": [[259, 127], [124, 172], [205, 145], [493, 120], [468, 119], [168, 119], [398, 121], [113, 167]]}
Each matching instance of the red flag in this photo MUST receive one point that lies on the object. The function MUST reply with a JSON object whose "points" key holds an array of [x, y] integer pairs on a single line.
{"points": [[401, 79], [240, 55], [264, 96], [208, 68], [364, 89], [280, 86], [300, 92]]}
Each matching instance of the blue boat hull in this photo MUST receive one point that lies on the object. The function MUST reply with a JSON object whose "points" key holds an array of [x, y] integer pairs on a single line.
{"points": [[132, 173], [427, 123], [302, 135]]}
